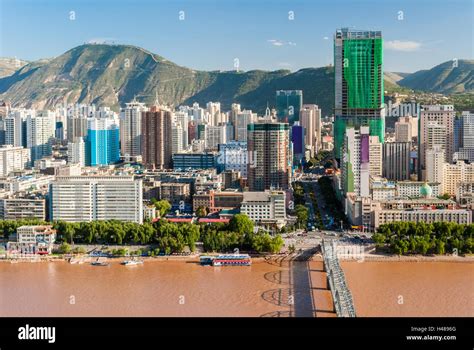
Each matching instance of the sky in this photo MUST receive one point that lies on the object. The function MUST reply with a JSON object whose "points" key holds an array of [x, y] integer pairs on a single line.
{"points": [[256, 34]]}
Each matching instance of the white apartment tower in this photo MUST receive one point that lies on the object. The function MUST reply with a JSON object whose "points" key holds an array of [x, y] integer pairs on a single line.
{"points": [[40, 131], [435, 160], [76, 152], [13, 159], [91, 198]]}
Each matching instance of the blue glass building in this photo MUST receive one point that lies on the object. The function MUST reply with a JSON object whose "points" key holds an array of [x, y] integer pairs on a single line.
{"points": [[102, 142]]}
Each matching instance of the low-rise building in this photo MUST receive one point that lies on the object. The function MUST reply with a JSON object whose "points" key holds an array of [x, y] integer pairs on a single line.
{"points": [[265, 207], [459, 216], [186, 161], [22, 208], [33, 240], [412, 188]]}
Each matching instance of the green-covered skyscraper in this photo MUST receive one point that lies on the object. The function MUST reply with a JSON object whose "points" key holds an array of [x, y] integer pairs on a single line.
{"points": [[358, 69]]}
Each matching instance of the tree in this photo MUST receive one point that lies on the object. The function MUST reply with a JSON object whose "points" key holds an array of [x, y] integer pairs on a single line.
{"points": [[291, 248], [64, 248], [276, 244], [163, 206], [201, 212], [302, 214], [241, 223], [445, 196]]}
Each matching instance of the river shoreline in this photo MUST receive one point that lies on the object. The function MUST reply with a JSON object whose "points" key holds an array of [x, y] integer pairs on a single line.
{"points": [[410, 258], [369, 257]]}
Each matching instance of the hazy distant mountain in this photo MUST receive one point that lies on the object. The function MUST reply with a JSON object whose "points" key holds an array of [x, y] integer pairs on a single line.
{"points": [[8, 66], [394, 77], [113, 74], [445, 78]]}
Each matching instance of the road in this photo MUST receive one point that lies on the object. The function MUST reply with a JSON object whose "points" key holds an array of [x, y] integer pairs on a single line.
{"points": [[312, 185]]}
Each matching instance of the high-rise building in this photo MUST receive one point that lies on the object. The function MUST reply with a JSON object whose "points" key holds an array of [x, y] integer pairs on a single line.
{"points": [[192, 131], [358, 66], [244, 118], [310, 120], [131, 129], [435, 160], [355, 166], [91, 198], [455, 174], [214, 135], [268, 145], [403, 130], [375, 156], [13, 159], [182, 118], [40, 130], [396, 160], [466, 142], [436, 135], [15, 127], [288, 105], [430, 115], [157, 142], [76, 126], [102, 142], [214, 110], [235, 110], [297, 139], [76, 152], [176, 138]]}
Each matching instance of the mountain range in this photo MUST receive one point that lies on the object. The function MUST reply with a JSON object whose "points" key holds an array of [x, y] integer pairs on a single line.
{"points": [[114, 74]]}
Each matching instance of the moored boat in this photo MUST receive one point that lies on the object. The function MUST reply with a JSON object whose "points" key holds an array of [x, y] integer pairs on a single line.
{"points": [[232, 260], [99, 263], [132, 262]]}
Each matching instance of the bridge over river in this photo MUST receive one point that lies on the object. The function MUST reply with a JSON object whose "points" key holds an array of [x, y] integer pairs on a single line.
{"points": [[341, 295]]}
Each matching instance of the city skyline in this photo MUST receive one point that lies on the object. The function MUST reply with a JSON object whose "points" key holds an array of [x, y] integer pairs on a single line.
{"points": [[265, 36]]}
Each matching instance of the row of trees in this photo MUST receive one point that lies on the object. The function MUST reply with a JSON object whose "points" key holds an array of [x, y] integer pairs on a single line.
{"points": [[167, 236], [422, 238]]}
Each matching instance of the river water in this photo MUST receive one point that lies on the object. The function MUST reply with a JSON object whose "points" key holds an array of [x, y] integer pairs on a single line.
{"points": [[411, 288], [157, 288], [275, 288]]}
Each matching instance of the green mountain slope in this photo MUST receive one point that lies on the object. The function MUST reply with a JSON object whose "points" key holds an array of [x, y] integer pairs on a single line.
{"points": [[445, 78]]}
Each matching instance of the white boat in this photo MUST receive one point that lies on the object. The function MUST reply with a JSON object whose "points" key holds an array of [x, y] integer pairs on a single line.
{"points": [[99, 263], [132, 262]]}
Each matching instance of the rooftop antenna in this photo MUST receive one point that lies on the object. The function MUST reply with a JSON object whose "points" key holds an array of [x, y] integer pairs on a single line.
{"points": [[267, 111]]}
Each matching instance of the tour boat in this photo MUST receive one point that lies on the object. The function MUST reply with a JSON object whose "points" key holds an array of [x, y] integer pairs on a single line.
{"points": [[232, 260]]}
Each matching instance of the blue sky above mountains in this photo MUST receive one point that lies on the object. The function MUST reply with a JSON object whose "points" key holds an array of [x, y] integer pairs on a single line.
{"points": [[262, 34]]}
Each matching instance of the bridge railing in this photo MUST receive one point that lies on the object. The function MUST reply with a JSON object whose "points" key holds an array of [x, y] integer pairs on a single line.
{"points": [[341, 294]]}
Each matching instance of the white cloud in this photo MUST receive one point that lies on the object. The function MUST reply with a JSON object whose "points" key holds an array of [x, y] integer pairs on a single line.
{"points": [[276, 42], [326, 38], [398, 45]]}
